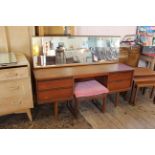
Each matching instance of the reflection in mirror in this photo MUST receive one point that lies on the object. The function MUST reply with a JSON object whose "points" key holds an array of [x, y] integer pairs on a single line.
{"points": [[61, 50]]}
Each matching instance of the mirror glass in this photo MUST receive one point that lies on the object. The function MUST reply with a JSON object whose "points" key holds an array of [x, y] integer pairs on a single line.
{"points": [[62, 50]]}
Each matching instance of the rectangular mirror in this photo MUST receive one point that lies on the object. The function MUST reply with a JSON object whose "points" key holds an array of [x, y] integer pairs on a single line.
{"points": [[69, 50]]}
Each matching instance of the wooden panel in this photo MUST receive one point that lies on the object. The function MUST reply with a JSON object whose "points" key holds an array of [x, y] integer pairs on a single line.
{"points": [[59, 83], [130, 55], [123, 55], [133, 59], [16, 39], [54, 30], [79, 71], [3, 40], [13, 73], [55, 94], [13, 88], [120, 76], [119, 85], [13, 104]]}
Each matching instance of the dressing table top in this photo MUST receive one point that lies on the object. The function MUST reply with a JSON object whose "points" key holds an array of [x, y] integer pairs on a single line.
{"points": [[79, 71]]}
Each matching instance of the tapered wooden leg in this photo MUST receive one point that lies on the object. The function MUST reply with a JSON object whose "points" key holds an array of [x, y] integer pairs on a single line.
{"points": [[143, 91], [154, 100], [104, 104], [132, 90], [56, 109], [116, 99], [135, 95], [152, 92], [28, 112]]}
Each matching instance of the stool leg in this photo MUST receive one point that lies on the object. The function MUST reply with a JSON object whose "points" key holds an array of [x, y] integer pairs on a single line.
{"points": [[135, 95], [104, 104], [76, 107], [56, 110]]}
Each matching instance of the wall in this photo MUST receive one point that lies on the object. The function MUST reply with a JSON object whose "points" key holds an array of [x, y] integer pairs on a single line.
{"points": [[105, 30], [16, 39]]}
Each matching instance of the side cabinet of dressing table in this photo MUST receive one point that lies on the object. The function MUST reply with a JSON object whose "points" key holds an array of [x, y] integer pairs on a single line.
{"points": [[57, 84], [54, 90]]}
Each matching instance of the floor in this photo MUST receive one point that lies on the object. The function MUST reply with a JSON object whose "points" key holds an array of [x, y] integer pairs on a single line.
{"points": [[124, 116], [43, 118]]}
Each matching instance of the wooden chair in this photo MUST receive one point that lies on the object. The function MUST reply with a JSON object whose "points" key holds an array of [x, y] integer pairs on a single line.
{"points": [[89, 90]]}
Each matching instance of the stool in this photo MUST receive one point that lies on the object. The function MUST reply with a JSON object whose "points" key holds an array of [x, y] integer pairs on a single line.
{"points": [[91, 89], [140, 83]]}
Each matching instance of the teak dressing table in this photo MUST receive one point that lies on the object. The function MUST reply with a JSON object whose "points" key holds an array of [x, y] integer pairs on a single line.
{"points": [[57, 84]]}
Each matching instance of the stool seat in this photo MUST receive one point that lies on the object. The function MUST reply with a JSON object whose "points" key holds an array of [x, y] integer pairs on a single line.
{"points": [[89, 88]]}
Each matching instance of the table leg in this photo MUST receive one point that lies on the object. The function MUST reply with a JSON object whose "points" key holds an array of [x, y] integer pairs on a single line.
{"points": [[116, 99], [135, 95], [143, 90], [131, 94], [56, 109], [152, 92]]}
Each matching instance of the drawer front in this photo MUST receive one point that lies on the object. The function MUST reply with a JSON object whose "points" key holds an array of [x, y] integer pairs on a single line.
{"points": [[13, 73], [14, 104], [13, 88], [119, 85], [52, 84], [55, 94], [120, 76]]}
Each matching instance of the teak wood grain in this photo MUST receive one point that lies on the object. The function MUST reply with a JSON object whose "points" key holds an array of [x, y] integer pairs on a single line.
{"points": [[79, 71], [143, 77], [57, 84]]}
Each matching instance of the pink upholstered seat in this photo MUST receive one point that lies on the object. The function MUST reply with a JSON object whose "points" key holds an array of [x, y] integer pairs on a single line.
{"points": [[89, 88]]}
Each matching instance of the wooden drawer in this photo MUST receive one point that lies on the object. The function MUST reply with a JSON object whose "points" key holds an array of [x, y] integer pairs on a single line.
{"points": [[55, 94], [52, 84], [13, 88], [12, 104], [120, 76], [119, 85], [13, 73]]}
